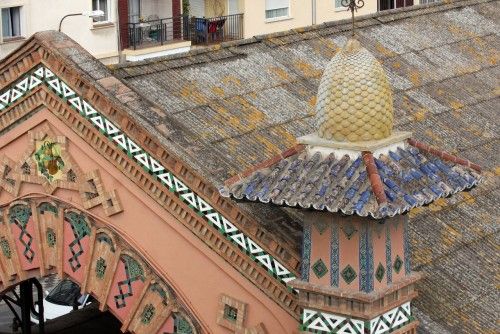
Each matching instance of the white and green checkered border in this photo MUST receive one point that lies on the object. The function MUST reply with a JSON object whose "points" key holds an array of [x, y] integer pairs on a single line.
{"points": [[43, 76], [325, 323]]}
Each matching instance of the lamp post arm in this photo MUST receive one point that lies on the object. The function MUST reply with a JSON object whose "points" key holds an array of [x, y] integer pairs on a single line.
{"points": [[65, 16]]}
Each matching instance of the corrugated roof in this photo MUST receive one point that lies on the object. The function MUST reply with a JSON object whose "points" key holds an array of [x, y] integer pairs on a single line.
{"points": [[227, 109]]}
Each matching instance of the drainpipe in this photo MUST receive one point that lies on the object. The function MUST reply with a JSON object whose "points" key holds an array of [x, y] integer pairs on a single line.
{"points": [[118, 32], [313, 6]]}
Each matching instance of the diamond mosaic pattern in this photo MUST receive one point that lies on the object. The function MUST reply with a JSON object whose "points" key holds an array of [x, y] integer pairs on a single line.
{"points": [[398, 263], [20, 215], [133, 272], [319, 268], [80, 230], [43, 75], [349, 274], [380, 272]]}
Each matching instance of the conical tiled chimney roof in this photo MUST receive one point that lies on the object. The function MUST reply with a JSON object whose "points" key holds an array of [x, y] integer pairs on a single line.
{"points": [[355, 100]]}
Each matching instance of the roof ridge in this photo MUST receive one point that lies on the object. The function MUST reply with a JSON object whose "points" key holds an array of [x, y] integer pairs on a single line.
{"points": [[444, 155], [378, 17]]}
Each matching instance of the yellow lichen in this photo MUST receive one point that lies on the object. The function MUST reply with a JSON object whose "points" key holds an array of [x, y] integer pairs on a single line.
{"points": [[218, 91], [420, 115], [415, 78], [496, 91], [456, 105], [191, 91], [433, 136], [281, 73], [449, 235], [416, 211], [423, 255], [307, 69], [312, 101], [494, 59], [383, 50], [438, 204]]}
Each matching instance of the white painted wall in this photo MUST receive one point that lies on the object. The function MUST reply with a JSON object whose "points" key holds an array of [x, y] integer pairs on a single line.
{"points": [[300, 15], [40, 15]]}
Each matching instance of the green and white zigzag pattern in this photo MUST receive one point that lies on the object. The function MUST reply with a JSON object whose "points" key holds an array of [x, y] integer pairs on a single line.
{"points": [[43, 75], [325, 323]]}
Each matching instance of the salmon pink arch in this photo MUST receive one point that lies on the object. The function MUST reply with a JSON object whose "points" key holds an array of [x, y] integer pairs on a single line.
{"points": [[41, 235]]}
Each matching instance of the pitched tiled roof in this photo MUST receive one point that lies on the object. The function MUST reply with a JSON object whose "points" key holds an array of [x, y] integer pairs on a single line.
{"points": [[226, 109], [407, 177]]}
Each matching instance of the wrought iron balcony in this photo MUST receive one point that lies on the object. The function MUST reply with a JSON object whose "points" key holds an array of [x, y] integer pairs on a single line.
{"points": [[216, 29], [156, 32]]}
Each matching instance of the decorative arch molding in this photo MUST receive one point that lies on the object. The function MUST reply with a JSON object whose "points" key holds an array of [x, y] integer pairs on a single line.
{"points": [[221, 226], [41, 235]]}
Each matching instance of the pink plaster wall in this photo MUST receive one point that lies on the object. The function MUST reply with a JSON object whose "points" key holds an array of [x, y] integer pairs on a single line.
{"points": [[168, 327], [397, 240], [30, 228], [197, 274], [137, 287], [320, 249], [348, 252]]}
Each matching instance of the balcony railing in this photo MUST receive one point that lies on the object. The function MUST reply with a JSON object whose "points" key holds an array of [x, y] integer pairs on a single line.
{"points": [[216, 29], [157, 32]]}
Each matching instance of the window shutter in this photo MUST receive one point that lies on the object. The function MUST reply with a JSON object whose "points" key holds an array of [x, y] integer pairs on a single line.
{"points": [[123, 21], [16, 21], [197, 8], [276, 4]]}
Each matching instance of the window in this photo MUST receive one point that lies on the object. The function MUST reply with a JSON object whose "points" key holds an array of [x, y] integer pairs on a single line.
{"points": [[277, 9], [11, 22], [391, 4], [338, 5], [134, 11], [231, 313], [425, 2], [101, 5]]}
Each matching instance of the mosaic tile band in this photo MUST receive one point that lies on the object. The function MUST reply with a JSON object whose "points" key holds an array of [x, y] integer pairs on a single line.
{"points": [[326, 323], [43, 76], [334, 257], [388, 254]]}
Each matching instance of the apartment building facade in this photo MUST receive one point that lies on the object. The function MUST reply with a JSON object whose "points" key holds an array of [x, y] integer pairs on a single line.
{"points": [[138, 29]]}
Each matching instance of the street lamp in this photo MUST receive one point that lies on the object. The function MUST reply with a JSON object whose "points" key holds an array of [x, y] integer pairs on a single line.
{"points": [[92, 14]]}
